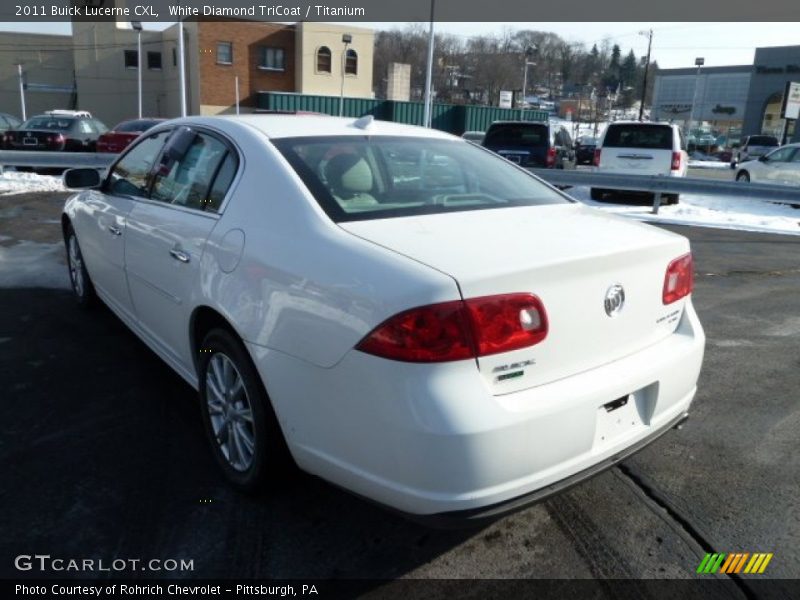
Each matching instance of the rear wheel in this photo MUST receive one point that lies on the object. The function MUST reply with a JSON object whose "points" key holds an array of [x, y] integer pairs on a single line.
{"points": [[78, 276], [743, 177], [240, 423]]}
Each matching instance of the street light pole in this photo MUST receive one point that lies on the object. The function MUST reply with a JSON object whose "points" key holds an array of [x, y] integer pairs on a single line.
{"points": [[347, 39], [528, 53], [181, 68], [137, 26], [649, 35], [699, 62]]}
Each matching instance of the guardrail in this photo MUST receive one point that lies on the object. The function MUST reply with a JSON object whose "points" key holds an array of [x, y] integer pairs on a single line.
{"points": [[660, 185], [55, 160]]}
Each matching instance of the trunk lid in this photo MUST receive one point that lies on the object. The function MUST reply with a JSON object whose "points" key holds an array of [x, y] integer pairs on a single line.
{"points": [[570, 257]]}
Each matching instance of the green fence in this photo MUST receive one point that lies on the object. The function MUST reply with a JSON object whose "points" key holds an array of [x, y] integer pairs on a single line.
{"points": [[453, 118]]}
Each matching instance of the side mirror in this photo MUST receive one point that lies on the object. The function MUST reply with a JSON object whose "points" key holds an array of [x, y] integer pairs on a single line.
{"points": [[81, 179], [178, 144]]}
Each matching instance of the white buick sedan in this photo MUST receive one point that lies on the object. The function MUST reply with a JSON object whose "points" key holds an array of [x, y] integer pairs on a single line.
{"points": [[396, 310]]}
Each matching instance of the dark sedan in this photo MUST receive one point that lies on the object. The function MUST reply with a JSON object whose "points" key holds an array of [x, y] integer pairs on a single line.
{"points": [[584, 150], [58, 131]]}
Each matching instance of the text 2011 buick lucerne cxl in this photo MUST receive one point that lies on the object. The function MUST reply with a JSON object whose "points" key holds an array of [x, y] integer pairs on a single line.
{"points": [[400, 312]]}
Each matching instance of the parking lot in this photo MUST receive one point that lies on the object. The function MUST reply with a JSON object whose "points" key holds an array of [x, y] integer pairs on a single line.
{"points": [[103, 455]]}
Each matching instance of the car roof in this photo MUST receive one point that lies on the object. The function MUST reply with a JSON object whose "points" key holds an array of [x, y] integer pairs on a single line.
{"points": [[285, 126]]}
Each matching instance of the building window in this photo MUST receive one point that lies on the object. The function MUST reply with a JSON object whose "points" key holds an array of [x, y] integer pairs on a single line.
{"points": [[272, 59], [154, 61], [324, 60], [351, 63], [225, 53], [174, 57], [131, 59]]}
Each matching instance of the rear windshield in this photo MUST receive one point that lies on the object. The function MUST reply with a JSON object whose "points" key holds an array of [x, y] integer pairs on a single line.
{"points": [[362, 178], [656, 137], [134, 126], [516, 134], [55, 123], [762, 140]]}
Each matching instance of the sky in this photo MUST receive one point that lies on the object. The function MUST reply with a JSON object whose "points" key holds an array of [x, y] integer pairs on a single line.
{"points": [[674, 44]]}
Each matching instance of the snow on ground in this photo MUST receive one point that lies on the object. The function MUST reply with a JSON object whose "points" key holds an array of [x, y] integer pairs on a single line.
{"points": [[708, 164], [13, 182], [746, 214], [32, 264]]}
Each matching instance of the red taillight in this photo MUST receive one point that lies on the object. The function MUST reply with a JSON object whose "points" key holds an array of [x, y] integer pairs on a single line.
{"points": [[679, 279], [596, 160], [676, 161], [551, 158], [459, 330]]}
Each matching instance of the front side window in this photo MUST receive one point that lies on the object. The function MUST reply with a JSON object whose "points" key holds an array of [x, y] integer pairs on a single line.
{"points": [[187, 180], [351, 63], [780, 155], [324, 60], [225, 53], [131, 175], [360, 178], [272, 59]]}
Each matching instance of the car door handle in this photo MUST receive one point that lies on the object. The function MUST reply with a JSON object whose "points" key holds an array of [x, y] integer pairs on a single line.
{"points": [[115, 230], [179, 255]]}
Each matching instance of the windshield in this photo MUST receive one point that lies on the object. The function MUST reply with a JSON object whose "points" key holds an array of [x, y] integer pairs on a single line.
{"points": [[762, 140], [516, 134], [135, 126], [360, 178], [56, 123]]}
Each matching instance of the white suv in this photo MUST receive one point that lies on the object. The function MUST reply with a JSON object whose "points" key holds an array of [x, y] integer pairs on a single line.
{"points": [[641, 149]]}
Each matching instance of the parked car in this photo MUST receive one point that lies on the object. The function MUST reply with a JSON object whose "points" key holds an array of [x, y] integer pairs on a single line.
{"points": [[473, 136], [531, 144], [8, 121], [781, 166], [641, 148], [584, 150], [57, 130], [124, 133], [752, 147], [397, 310]]}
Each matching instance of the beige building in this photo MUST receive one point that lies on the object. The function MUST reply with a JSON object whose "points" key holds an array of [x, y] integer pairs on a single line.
{"points": [[96, 68], [321, 59]]}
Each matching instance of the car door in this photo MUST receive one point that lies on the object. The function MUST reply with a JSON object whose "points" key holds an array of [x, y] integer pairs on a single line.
{"points": [[101, 226], [167, 234], [793, 168]]}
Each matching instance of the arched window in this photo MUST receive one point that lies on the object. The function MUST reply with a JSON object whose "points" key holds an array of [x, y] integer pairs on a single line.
{"points": [[351, 63], [324, 60]]}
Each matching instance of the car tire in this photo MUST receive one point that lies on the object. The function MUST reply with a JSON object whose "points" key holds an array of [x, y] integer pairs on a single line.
{"points": [[242, 429], [743, 177], [596, 194], [79, 279]]}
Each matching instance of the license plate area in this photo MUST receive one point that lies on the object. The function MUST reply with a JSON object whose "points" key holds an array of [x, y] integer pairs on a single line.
{"points": [[30, 141], [625, 415]]}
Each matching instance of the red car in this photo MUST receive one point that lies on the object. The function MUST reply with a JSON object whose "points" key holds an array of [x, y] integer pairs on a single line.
{"points": [[116, 140]]}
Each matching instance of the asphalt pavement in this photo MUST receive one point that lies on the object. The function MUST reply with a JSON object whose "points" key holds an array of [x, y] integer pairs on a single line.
{"points": [[102, 455]]}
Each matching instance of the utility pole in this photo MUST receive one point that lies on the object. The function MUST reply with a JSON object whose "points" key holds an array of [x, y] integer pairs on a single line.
{"points": [[181, 68], [428, 108], [698, 62], [649, 35], [137, 27], [21, 91], [347, 39]]}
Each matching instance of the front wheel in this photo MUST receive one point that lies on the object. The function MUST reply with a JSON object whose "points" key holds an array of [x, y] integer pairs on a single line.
{"points": [[743, 177], [240, 423], [79, 279]]}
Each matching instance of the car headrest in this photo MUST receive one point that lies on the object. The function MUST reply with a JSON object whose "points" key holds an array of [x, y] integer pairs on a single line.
{"points": [[348, 174]]}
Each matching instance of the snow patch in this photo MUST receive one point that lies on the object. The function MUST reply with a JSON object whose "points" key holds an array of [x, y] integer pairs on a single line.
{"points": [[14, 182]]}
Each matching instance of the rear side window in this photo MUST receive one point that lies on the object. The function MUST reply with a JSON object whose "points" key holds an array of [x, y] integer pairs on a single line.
{"points": [[516, 134], [654, 137], [222, 181], [762, 140]]}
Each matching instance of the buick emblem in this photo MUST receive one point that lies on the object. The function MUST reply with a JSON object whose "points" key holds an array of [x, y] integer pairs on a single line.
{"points": [[615, 300]]}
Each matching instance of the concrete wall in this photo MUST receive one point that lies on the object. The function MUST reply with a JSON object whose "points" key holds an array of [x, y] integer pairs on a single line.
{"points": [[773, 67], [47, 62], [312, 36]]}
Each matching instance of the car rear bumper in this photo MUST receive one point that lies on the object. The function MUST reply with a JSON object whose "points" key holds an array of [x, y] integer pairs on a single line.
{"points": [[431, 439]]}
